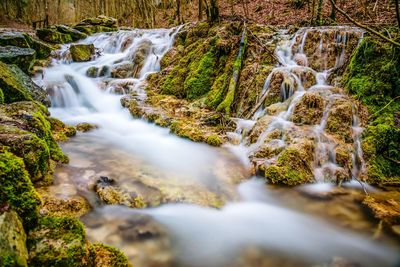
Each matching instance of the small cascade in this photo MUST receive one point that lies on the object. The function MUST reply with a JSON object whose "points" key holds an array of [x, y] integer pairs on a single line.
{"points": [[298, 104]]}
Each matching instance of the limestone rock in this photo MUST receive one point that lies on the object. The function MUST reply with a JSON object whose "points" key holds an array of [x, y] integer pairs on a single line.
{"points": [[17, 86], [309, 109], [13, 250], [22, 57], [82, 52]]}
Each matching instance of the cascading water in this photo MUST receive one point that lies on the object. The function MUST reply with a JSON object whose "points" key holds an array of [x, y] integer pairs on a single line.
{"points": [[306, 63], [195, 236]]}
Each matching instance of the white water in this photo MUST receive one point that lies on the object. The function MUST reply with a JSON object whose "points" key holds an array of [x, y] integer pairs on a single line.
{"points": [[201, 236]]}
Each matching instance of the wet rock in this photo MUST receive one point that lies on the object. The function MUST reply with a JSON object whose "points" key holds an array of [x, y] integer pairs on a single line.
{"points": [[343, 154], [75, 34], [17, 86], [92, 72], [13, 39], [43, 50], [82, 52], [384, 208], [340, 119], [106, 256], [85, 127], [293, 165], [104, 71], [13, 251], [22, 57], [61, 131], [309, 109], [277, 108], [52, 35], [140, 54], [282, 86], [124, 70], [58, 241], [260, 126]]}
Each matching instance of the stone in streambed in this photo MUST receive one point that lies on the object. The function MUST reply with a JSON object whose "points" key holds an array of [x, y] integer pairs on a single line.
{"points": [[82, 52], [13, 39], [52, 35], [85, 127], [75, 34], [22, 57], [13, 251]]}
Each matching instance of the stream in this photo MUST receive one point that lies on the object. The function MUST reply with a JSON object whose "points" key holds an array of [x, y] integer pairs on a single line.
{"points": [[204, 208]]}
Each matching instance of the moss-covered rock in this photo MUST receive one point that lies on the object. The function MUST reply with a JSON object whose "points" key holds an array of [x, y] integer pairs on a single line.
{"points": [[309, 109], [26, 129], [52, 35], [81, 52], [293, 166], [16, 188], [106, 256], [13, 250], [340, 119], [75, 34], [97, 24], [13, 39], [43, 50], [17, 86], [22, 57], [377, 84], [58, 241], [123, 70], [85, 127]]}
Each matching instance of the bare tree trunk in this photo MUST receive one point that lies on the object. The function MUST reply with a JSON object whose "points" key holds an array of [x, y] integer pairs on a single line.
{"points": [[312, 12], [200, 13], [397, 7], [333, 12]]}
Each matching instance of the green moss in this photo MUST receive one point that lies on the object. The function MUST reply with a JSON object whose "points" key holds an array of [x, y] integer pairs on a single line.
{"points": [[17, 190], [81, 52], [11, 87], [104, 255], [214, 140], [51, 35], [200, 77], [58, 241], [218, 91], [373, 76]]}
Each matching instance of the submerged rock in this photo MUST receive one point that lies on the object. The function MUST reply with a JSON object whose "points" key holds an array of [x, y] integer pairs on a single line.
{"points": [[124, 70], [17, 86], [82, 52], [22, 57], [85, 127], [13, 251]]}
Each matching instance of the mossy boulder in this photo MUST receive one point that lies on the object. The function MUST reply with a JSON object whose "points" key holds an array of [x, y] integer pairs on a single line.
{"points": [[58, 241], [26, 130], [309, 109], [97, 24], [22, 57], [92, 72], [13, 250], [13, 39], [340, 119], [85, 127], [75, 34], [123, 70], [52, 35], [82, 52], [106, 256], [43, 50], [293, 166], [376, 83], [61, 131], [17, 86], [16, 189]]}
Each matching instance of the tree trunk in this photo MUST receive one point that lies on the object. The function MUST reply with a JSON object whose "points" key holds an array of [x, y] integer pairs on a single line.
{"points": [[333, 12], [319, 12], [200, 13], [397, 7]]}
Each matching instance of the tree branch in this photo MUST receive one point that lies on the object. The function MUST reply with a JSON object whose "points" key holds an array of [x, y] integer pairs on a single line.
{"points": [[368, 29]]}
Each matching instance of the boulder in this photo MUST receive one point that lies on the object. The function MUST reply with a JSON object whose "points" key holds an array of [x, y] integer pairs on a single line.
{"points": [[82, 52], [123, 70], [140, 54], [17, 86], [106, 256], [309, 109], [22, 57], [340, 119], [92, 72], [13, 250], [43, 50], [58, 241], [52, 35], [98, 24], [13, 39], [75, 34], [85, 127], [26, 130]]}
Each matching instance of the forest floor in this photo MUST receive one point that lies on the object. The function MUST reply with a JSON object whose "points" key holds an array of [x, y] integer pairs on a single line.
{"points": [[271, 12]]}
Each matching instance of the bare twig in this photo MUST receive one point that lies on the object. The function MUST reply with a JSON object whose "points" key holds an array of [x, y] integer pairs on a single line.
{"points": [[370, 30]]}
